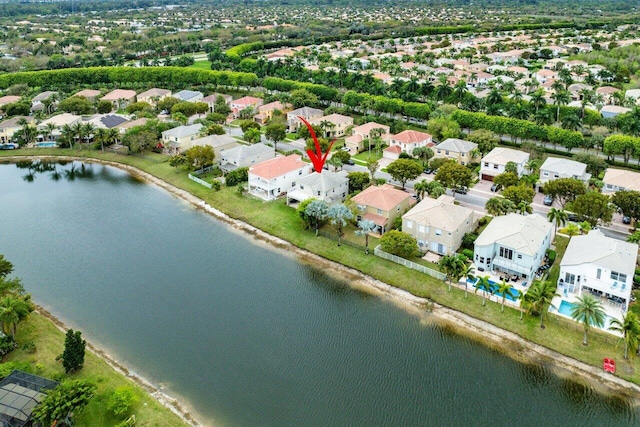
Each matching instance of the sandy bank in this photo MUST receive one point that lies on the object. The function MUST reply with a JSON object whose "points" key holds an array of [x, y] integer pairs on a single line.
{"points": [[509, 343]]}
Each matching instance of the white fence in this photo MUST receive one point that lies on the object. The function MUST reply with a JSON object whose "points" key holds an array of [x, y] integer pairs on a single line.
{"points": [[200, 181], [409, 264]]}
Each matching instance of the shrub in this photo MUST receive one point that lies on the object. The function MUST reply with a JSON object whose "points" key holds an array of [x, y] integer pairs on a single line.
{"points": [[215, 185], [121, 400], [483, 221], [398, 243], [468, 253], [7, 343], [551, 254], [237, 176], [29, 347], [7, 368]]}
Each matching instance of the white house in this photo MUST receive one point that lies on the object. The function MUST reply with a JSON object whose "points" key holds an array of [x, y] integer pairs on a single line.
{"points": [[438, 224], [245, 156], [555, 167], [408, 140], [514, 244], [271, 178], [332, 187], [494, 162], [597, 264]]}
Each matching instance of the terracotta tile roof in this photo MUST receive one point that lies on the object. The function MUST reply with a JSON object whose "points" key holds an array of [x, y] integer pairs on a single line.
{"points": [[278, 166], [384, 197], [247, 100], [393, 149], [114, 95], [411, 137]]}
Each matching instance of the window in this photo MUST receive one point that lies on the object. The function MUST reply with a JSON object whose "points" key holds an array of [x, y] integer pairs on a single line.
{"points": [[545, 173], [519, 256], [618, 276], [482, 260], [438, 232], [318, 193], [495, 166], [486, 164], [439, 151], [488, 260], [409, 224], [598, 274], [446, 152], [570, 278], [421, 228], [476, 257], [300, 172], [379, 211], [555, 175], [506, 253]]}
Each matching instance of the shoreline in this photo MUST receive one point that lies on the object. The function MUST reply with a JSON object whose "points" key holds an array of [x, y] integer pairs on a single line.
{"points": [[508, 343]]}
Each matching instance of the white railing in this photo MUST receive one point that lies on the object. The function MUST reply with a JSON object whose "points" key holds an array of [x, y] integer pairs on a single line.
{"points": [[409, 264]]}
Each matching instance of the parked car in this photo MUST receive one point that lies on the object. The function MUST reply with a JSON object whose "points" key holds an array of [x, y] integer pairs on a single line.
{"points": [[350, 162], [574, 217], [345, 149], [428, 171], [461, 190], [626, 220], [495, 187], [548, 200]]}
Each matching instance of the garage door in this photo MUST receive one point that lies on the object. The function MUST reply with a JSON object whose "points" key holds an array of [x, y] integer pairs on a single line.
{"points": [[486, 177]]}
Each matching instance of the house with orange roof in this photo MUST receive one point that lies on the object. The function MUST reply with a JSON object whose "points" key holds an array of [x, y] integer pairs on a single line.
{"points": [[275, 177], [120, 98], [545, 75], [382, 205], [245, 103], [9, 99], [408, 140], [362, 135], [90, 94]]}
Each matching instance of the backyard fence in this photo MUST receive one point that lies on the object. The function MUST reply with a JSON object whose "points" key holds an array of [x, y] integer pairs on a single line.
{"points": [[409, 264], [194, 176], [343, 241]]}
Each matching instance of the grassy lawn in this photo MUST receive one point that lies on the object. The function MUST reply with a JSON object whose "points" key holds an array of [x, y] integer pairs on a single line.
{"points": [[202, 65], [365, 156], [280, 220], [49, 342]]}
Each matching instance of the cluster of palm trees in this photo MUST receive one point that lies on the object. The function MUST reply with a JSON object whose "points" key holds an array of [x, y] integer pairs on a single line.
{"points": [[15, 305]]}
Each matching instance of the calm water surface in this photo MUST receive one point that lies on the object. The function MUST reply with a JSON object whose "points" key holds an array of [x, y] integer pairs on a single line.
{"points": [[246, 334]]}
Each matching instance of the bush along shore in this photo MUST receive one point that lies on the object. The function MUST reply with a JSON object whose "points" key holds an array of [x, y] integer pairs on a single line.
{"points": [[559, 344]]}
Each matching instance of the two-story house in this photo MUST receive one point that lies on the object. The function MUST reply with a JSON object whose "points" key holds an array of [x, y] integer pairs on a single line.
{"points": [[600, 265], [333, 125], [307, 113], [249, 104], [363, 135], [618, 180], [154, 95], [275, 177], [58, 122], [463, 152], [11, 126], [212, 100], [174, 138], [382, 205], [244, 156], [408, 140], [494, 162], [331, 187], [438, 224], [514, 244], [219, 143], [120, 98], [265, 112], [555, 167]]}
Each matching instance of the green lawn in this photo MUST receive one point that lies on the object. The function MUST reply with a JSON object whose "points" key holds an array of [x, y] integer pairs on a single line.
{"points": [[365, 156], [203, 65], [280, 220]]}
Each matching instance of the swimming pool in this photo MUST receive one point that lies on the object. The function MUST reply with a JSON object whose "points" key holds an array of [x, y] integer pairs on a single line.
{"points": [[46, 144], [566, 307], [514, 294]]}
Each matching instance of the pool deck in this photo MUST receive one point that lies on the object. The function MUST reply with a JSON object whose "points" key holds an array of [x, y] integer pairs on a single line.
{"points": [[495, 277], [611, 310]]}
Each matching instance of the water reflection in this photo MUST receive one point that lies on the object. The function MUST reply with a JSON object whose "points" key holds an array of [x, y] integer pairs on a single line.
{"points": [[71, 171]]}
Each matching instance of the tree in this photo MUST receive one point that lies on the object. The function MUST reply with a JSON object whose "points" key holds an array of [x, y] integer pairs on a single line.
{"points": [[506, 179], [398, 243], [301, 210], [629, 327], [178, 160], [76, 105], [497, 206], [139, 140], [358, 181], [104, 107], [469, 276], [485, 139], [60, 403], [302, 98], [442, 128], [275, 132], [252, 136], [540, 295], [317, 211], [558, 217], [421, 188], [404, 170], [504, 289], [423, 153], [373, 166], [214, 129], [338, 216], [484, 286], [594, 206], [629, 203], [588, 311], [453, 266], [121, 400], [454, 175], [13, 309], [74, 349], [200, 156], [519, 193], [564, 190], [435, 189], [365, 227]]}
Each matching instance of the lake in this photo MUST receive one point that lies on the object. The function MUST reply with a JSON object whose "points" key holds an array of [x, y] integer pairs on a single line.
{"points": [[245, 333]]}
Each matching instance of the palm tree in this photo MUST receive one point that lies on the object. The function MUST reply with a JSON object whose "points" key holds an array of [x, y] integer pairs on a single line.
{"points": [[453, 266], [524, 207], [504, 288], [12, 310], [537, 100], [49, 128], [469, 276], [484, 285], [558, 217], [588, 311], [421, 188], [560, 98], [571, 121], [542, 293], [365, 227], [629, 327], [339, 215]]}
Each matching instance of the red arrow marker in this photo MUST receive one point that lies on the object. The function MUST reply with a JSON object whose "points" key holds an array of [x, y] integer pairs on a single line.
{"points": [[317, 158]]}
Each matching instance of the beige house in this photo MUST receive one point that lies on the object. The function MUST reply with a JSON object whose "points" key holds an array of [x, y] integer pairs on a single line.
{"points": [[265, 112], [152, 96], [219, 143], [248, 103], [181, 136], [438, 224], [9, 127], [382, 205], [618, 180], [335, 125], [463, 152], [90, 94], [120, 98], [409, 140], [362, 135], [210, 100], [307, 113]]}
